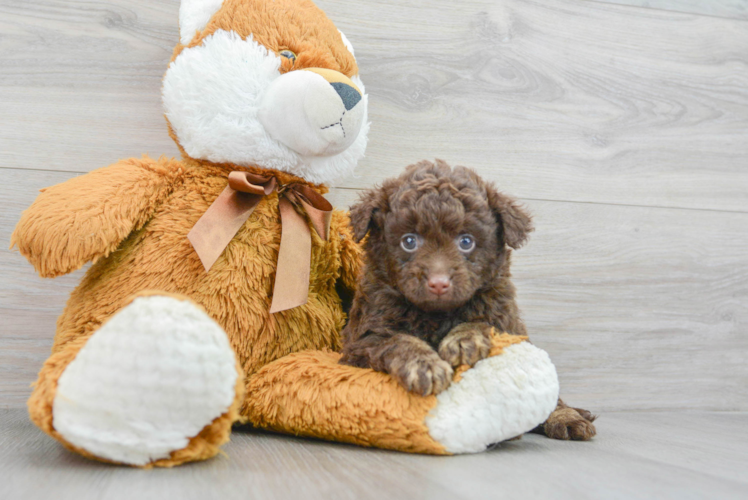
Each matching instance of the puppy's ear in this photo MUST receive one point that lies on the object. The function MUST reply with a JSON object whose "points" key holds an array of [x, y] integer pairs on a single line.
{"points": [[367, 211], [515, 223]]}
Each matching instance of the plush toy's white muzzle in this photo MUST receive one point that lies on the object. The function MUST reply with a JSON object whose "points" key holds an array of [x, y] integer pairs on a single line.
{"points": [[313, 124], [315, 112]]}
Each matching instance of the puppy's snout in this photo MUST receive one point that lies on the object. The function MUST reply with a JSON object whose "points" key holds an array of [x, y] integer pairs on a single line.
{"points": [[439, 284]]}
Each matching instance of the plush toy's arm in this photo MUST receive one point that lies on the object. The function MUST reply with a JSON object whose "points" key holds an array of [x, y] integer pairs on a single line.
{"points": [[87, 217]]}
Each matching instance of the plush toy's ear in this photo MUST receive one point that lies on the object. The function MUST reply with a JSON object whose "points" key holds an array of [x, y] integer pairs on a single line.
{"points": [[367, 213], [514, 222], [194, 16]]}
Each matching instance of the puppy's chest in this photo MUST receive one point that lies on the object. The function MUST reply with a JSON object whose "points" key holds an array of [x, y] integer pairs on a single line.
{"points": [[431, 328]]}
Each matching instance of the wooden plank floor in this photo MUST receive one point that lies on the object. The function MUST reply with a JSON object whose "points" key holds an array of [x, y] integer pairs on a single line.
{"points": [[654, 455], [621, 124]]}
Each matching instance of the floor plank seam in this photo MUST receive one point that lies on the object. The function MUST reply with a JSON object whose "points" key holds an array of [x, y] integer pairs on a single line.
{"points": [[659, 207], [521, 198], [671, 11]]}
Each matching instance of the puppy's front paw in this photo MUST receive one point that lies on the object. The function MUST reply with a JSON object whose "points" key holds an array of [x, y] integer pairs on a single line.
{"points": [[466, 344], [570, 423], [422, 374]]}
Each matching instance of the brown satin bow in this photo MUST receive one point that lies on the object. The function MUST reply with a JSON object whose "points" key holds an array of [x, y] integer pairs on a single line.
{"points": [[223, 219]]}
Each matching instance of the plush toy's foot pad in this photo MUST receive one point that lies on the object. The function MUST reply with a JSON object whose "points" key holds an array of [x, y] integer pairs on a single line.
{"points": [[150, 379], [501, 397]]}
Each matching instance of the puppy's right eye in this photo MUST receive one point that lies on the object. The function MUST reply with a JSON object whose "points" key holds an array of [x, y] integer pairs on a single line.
{"points": [[409, 242]]}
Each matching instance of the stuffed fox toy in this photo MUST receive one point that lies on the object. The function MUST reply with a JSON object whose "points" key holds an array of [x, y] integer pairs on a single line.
{"points": [[214, 291]]}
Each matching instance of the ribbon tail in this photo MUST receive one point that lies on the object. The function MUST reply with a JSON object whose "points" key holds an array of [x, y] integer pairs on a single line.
{"points": [[291, 288], [219, 224]]}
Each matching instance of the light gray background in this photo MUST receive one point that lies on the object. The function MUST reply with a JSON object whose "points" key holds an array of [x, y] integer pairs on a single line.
{"points": [[622, 125]]}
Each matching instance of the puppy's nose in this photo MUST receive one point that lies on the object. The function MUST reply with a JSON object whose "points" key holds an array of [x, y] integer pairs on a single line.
{"points": [[439, 284]]}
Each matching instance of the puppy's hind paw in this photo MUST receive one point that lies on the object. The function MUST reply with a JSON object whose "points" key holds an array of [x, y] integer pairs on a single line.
{"points": [[569, 423]]}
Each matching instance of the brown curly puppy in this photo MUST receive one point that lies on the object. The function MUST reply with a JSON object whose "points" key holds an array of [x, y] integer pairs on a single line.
{"points": [[437, 280]]}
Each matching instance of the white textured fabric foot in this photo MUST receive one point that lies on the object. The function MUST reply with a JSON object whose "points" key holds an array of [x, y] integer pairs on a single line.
{"points": [[501, 397], [146, 382]]}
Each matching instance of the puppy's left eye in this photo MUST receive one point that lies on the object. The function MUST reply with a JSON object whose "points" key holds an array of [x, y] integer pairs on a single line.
{"points": [[466, 243]]}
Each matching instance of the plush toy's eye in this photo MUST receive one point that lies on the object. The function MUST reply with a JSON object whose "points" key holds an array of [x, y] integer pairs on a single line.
{"points": [[410, 242], [466, 243], [288, 55]]}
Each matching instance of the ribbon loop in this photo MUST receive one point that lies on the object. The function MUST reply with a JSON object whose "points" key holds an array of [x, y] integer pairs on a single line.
{"points": [[219, 224], [316, 207], [247, 182]]}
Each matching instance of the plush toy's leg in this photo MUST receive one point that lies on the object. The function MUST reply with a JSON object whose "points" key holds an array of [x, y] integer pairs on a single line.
{"points": [[157, 384], [501, 397]]}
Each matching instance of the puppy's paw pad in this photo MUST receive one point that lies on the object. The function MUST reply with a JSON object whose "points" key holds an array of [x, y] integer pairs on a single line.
{"points": [[567, 424], [465, 346]]}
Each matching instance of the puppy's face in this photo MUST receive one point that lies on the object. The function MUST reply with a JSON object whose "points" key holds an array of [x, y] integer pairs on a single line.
{"points": [[437, 234]]}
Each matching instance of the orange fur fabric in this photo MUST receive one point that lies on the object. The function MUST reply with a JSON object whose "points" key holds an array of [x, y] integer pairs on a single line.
{"points": [[113, 203], [159, 257], [310, 394]]}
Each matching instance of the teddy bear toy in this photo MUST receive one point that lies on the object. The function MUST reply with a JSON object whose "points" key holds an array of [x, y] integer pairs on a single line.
{"points": [[214, 291]]}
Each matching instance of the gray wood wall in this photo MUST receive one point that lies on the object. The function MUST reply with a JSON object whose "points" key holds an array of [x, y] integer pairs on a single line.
{"points": [[622, 124]]}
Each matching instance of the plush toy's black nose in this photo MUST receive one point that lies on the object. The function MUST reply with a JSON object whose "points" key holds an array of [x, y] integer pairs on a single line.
{"points": [[348, 94]]}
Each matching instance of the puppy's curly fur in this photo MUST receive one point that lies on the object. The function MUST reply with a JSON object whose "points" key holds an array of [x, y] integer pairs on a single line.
{"points": [[436, 280]]}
